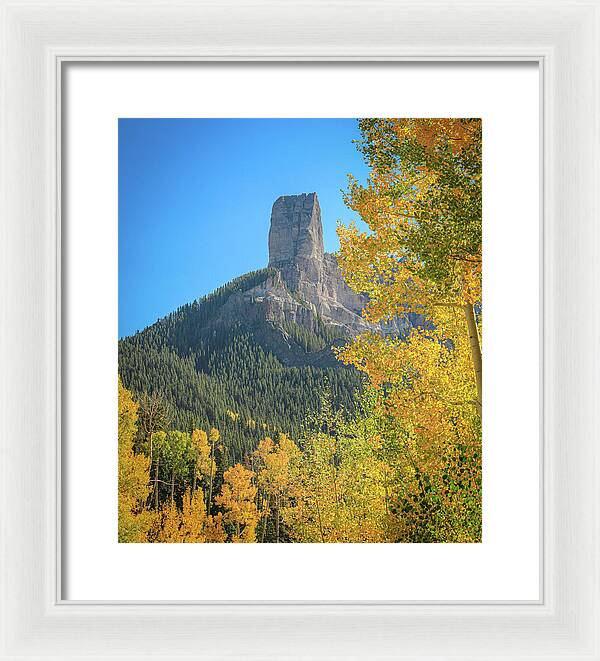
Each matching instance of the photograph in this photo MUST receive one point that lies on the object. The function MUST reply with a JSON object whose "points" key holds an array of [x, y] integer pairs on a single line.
{"points": [[300, 330], [246, 252]]}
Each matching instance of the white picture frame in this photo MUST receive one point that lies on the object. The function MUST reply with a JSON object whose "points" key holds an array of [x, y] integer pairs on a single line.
{"points": [[38, 38]]}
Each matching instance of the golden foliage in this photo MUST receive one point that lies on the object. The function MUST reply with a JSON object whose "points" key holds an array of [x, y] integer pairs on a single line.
{"points": [[339, 492], [422, 255], [191, 524], [422, 205], [237, 498], [134, 519], [274, 478], [204, 463]]}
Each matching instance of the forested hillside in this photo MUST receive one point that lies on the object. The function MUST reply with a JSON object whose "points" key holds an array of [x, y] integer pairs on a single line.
{"points": [[227, 375]]}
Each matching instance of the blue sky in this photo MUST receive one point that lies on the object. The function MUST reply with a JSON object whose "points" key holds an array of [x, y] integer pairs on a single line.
{"points": [[195, 198]]}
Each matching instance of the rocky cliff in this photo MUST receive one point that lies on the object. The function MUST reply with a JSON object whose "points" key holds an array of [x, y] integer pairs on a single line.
{"points": [[305, 285]]}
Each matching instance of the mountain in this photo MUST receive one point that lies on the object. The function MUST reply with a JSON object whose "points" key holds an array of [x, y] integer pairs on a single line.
{"points": [[254, 357]]}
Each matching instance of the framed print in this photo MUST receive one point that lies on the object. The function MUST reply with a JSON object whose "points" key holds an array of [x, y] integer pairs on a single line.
{"points": [[276, 327], [247, 383]]}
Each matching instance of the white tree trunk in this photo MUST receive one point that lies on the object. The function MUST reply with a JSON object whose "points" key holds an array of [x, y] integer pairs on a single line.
{"points": [[475, 351]]}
